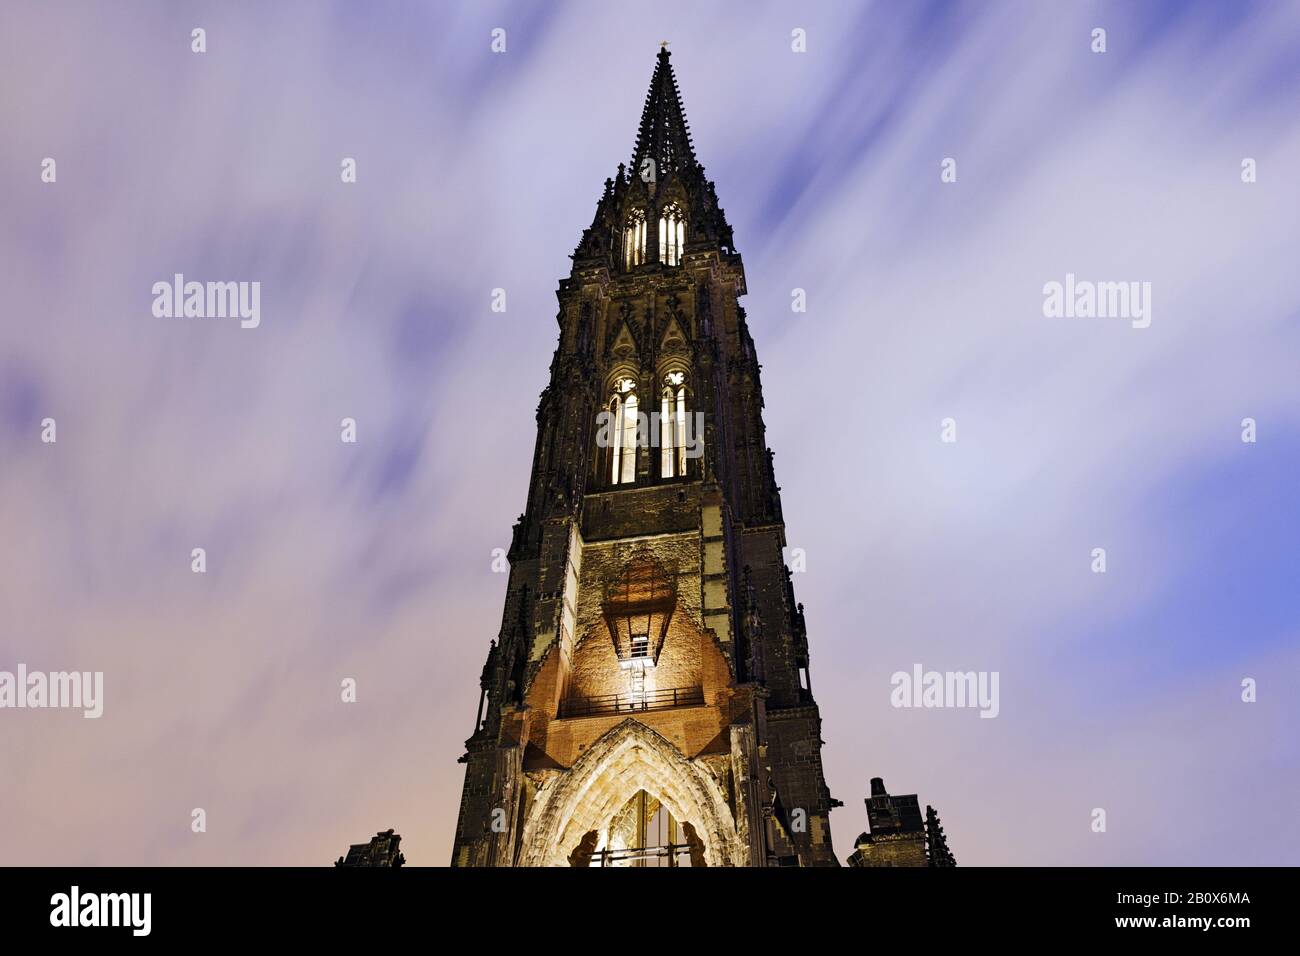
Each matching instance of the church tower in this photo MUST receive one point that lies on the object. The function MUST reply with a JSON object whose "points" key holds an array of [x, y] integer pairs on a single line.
{"points": [[647, 701]]}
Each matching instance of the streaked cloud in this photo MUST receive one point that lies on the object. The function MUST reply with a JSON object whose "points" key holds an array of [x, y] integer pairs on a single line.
{"points": [[372, 561]]}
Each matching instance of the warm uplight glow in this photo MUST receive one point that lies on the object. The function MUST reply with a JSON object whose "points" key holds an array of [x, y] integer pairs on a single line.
{"points": [[643, 833], [623, 407], [634, 234], [672, 423], [672, 235], [636, 681]]}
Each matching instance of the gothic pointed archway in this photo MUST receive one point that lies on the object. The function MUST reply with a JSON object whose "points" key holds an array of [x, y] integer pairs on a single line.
{"points": [[628, 758]]}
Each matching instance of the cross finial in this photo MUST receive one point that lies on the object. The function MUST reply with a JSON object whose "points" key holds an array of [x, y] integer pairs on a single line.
{"points": [[663, 44]]}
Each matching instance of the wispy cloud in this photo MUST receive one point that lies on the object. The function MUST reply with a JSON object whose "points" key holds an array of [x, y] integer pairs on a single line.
{"points": [[329, 560]]}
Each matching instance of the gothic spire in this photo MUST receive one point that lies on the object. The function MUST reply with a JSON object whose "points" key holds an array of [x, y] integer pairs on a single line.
{"points": [[663, 157], [664, 135], [940, 855]]}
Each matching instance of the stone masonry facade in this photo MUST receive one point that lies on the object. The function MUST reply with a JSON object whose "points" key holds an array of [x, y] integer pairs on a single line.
{"points": [[647, 700]]}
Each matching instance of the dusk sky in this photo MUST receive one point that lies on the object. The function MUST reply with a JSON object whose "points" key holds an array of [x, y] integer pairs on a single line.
{"points": [[479, 170]]}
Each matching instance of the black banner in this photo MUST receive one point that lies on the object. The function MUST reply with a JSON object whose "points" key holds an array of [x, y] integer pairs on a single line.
{"points": [[383, 905]]}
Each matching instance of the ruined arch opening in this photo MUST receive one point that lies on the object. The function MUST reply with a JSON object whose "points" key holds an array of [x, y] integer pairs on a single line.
{"points": [[644, 833], [600, 792]]}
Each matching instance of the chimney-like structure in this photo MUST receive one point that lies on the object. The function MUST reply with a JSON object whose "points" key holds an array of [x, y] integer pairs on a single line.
{"points": [[898, 834], [382, 850]]}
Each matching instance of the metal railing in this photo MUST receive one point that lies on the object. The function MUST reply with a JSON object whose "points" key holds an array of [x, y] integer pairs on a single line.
{"points": [[632, 703], [671, 854]]}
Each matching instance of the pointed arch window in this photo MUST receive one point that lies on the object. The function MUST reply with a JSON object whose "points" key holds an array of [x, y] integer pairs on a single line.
{"points": [[672, 426], [634, 240], [672, 234], [621, 454]]}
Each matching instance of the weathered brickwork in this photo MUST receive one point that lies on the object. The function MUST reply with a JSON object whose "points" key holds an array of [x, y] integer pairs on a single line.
{"points": [[647, 700]]}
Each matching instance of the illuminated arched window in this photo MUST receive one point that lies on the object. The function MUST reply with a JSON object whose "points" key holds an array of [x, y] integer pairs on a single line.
{"points": [[621, 454], [672, 426], [672, 234], [634, 240]]}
